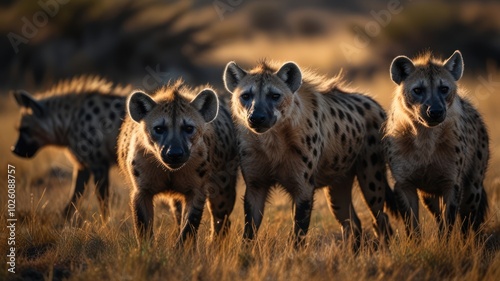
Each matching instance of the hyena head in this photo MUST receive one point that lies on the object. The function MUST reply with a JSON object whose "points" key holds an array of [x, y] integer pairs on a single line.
{"points": [[172, 124], [35, 130], [427, 87], [264, 95]]}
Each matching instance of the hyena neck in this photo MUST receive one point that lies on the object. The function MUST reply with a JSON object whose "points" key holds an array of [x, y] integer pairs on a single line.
{"points": [[61, 122], [284, 133], [405, 126], [296, 117]]}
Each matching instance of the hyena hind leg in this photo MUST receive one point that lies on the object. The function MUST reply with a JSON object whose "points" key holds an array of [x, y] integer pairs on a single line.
{"points": [[339, 197], [374, 187]]}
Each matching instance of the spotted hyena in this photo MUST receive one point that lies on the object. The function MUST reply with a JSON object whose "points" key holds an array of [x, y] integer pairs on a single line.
{"points": [[84, 115], [302, 131], [181, 143], [436, 143]]}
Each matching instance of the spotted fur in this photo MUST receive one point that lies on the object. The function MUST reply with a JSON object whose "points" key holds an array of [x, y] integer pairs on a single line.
{"points": [[84, 115], [301, 131], [437, 144], [181, 145]]}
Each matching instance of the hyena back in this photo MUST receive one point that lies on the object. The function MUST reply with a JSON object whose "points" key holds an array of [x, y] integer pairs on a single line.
{"points": [[84, 115], [303, 132], [437, 143], [181, 145]]}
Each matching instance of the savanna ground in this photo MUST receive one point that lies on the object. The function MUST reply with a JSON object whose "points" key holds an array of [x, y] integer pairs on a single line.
{"points": [[50, 248]]}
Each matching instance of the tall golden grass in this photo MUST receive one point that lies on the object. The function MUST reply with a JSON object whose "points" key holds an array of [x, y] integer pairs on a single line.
{"points": [[49, 248]]}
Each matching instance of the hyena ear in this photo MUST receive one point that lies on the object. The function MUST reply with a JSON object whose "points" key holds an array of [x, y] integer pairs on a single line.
{"points": [[139, 104], [233, 75], [292, 76], [24, 99], [455, 65], [401, 68], [207, 103]]}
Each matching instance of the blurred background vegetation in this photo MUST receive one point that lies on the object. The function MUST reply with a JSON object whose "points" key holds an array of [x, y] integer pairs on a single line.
{"points": [[148, 42], [125, 40]]}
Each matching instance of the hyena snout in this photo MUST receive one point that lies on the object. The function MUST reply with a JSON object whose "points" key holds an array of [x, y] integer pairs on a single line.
{"points": [[24, 148], [260, 121], [175, 156], [257, 119], [434, 114]]}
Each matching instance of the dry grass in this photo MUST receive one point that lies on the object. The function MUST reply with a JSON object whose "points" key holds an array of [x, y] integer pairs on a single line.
{"points": [[50, 248]]}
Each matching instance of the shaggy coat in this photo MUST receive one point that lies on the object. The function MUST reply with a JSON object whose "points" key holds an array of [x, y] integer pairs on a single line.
{"points": [[436, 143], [301, 131], [84, 115]]}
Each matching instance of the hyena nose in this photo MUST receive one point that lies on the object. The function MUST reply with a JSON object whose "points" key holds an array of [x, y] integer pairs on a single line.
{"points": [[175, 153], [435, 113], [257, 118]]}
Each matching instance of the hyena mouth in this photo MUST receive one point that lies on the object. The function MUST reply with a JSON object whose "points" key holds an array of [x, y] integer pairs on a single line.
{"points": [[433, 123], [430, 122], [259, 129], [262, 127], [28, 151], [175, 167]]}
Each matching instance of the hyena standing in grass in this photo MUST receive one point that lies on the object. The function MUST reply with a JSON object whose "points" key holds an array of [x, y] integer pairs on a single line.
{"points": [[181, 143], [436, 143], [303, 132], [84, 115]]}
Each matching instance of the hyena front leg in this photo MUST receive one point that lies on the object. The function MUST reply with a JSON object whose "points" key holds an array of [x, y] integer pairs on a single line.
{"points": [[303, 205], [101, 180], [195, 202], [253, 205], [81, 177], [143, 211], [176, 206], [451, 198], [407, 200]]}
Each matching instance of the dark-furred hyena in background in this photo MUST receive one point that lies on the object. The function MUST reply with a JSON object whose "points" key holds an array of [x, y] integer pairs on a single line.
{"points": [[180, 143], [84, 115], [303, 132], [437, 143]]}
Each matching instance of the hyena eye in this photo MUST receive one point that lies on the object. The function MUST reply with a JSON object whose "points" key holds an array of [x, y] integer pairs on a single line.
{"points": [[188, 129], [275, 96], [160, 129], [417, 91], [245, 96], [443, 89]]}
